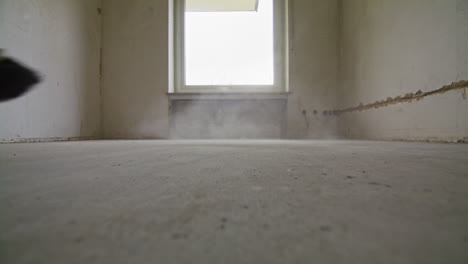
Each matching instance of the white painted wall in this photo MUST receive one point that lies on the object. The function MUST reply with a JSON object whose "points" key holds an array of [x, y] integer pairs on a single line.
{"points": [[61, 40], [393, 47], [135, 68]]}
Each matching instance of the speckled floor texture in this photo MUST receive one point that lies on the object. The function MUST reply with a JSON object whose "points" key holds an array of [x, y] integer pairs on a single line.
{"points": [[233, 202]]}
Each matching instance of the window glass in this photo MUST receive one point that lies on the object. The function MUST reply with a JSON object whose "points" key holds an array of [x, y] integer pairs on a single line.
{"points": [[230, 48]]}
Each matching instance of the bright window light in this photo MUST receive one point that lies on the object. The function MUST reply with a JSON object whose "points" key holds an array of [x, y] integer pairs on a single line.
{"points": [[230, 48]]}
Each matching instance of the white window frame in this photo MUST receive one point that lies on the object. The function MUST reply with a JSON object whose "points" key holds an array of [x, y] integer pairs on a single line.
{"points": [[280, 60]]}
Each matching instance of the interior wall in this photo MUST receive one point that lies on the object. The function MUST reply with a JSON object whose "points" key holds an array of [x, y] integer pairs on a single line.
{"points": [[313, 68], [383, 51], [228, 119], [136, 61], [61, 40], [396, 49], [135, 69]]}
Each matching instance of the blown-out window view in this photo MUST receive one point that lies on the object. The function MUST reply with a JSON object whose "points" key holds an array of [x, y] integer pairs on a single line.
{"points": [[228, 46]]}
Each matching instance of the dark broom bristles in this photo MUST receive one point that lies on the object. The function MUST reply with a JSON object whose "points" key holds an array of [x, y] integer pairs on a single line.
{"points": [[15, 79]]}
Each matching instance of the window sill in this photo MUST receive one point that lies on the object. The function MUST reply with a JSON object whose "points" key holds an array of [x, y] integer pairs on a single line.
{"points": [[228, 96]]}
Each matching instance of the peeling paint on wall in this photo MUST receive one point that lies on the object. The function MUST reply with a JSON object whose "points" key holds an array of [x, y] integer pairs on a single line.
{"points": [[407, 98]]}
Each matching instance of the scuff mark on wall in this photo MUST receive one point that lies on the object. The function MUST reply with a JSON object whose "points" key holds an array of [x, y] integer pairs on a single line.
{"points": [[306, 120], [409, 97]]}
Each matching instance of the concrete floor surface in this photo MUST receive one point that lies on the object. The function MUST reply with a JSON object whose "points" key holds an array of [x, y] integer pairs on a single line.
{"points": [[233, 202]]}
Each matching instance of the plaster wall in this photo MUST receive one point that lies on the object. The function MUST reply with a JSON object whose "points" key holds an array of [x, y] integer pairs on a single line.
{"points": [[136, 69], [391, 48], [61, 39]]}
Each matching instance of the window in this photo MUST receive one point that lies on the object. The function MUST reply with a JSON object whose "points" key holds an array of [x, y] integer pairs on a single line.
{"points": [[230, 46]]}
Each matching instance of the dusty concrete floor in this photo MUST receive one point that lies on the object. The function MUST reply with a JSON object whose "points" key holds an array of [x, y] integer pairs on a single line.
{"points": [[234, 202]]}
